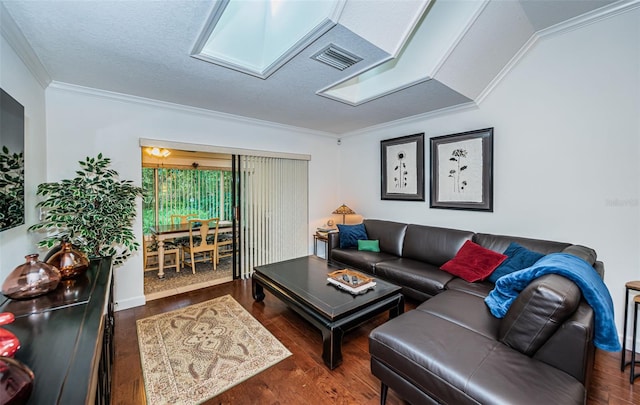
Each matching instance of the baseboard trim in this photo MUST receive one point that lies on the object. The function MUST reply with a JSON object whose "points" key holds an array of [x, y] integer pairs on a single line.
{"points": [[130, 303]]}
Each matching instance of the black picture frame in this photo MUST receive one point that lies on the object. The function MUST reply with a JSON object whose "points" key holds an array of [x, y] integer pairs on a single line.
{"points": [[469, 152], [402, 168]]}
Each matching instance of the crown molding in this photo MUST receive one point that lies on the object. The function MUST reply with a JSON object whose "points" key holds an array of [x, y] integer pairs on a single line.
{"points": [[572, 24], [608, 11], [414, 118], [128, 98], [12, 34]]}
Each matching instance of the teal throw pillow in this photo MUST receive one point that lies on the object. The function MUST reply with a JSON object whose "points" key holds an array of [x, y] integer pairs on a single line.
{"points": [[350, 234], [518, 258], [369, 245]]}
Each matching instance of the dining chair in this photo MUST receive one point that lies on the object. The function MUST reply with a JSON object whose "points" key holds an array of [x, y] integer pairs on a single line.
{"points": [[198, 243], [225, 247], [150, 251], [181, 220]]}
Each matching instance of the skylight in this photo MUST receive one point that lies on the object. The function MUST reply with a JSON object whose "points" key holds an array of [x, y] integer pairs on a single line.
{"points": [[428, 46], [258, 37]]}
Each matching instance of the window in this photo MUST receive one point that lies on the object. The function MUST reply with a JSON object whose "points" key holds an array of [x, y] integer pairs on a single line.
{"points": [[176, 191]]}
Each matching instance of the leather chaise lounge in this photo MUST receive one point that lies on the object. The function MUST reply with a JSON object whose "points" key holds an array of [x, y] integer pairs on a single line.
{"points": [[451, 349]]}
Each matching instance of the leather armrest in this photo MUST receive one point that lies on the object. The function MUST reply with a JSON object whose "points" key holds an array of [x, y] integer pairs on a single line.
{"points": [[333, 241]]}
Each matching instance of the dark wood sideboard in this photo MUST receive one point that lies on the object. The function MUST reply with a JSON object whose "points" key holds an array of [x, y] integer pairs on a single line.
{"points": [[66, 338]]}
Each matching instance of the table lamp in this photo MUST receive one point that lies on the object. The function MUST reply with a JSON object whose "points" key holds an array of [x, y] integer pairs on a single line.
{"points": [[344, 211]]}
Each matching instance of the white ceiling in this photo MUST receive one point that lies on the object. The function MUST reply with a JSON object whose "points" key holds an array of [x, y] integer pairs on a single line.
{"points": [[143, 48]]}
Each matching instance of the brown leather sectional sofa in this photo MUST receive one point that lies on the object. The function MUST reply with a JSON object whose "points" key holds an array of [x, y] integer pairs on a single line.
{"points": [[450, 349]]}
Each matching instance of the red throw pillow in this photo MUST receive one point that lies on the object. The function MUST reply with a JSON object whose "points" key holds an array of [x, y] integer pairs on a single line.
{"points": [[473, 262]]}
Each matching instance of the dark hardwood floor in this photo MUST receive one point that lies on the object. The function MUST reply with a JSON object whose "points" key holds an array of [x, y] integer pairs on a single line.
{"points": [[303, 378]]}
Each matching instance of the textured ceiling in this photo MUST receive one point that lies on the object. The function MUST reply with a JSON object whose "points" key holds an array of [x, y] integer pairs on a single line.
{"points": [[142, 48]]}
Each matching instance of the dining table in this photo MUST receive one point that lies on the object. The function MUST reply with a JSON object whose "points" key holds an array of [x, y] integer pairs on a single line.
{"points": [[173, 231]]}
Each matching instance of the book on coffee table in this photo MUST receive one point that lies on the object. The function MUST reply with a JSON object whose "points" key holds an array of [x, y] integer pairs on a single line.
{"points": [[351, 281]]}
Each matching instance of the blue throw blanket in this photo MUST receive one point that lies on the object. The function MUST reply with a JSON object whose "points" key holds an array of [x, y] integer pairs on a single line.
{"points": [[575, 269]]}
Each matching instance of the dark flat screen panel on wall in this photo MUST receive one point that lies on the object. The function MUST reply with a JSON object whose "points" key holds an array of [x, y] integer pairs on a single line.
{"points": [[11, 162]]}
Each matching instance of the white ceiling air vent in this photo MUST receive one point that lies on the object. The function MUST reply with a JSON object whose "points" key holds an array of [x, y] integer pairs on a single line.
{"points": [[336, 57]]}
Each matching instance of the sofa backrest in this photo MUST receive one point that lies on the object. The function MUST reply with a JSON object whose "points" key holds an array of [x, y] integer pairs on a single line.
{"points": [[571, 348], [390, 234], [585, 253], [538, 312], [499, 243], [433, 245]]}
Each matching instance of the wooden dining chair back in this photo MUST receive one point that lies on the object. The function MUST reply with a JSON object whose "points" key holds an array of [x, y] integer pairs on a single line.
{"points": [[182, 219], [182, 241], [198, 245]]}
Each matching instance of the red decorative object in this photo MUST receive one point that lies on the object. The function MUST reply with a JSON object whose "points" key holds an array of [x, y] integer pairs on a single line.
{"points": [[9, 343], [473, 262], [69, 261], [31, 279]]}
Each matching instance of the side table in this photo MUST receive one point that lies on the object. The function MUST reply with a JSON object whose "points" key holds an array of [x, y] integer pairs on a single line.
{"points": [[629, 286], [322, 238], [632, 370]]}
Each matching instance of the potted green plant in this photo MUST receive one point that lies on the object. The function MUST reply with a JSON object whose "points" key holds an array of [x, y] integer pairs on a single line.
{"points": [[94, 211]]}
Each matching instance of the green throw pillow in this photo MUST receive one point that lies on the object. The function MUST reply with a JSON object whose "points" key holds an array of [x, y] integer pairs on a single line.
{"points": [[369, 245]]}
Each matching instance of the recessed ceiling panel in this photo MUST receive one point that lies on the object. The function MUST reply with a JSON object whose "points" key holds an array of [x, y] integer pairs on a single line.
{"points": [[257, 37], [437, 33]]}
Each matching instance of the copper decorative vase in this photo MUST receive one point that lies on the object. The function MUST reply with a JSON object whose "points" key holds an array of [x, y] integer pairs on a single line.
{"points": [[31, 279], [69, 261]]}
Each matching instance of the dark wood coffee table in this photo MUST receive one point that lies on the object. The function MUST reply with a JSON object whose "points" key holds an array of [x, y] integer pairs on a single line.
{"points": [[302, 284]]}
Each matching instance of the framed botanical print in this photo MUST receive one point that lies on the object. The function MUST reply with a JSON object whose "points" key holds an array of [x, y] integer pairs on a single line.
{"points": [[462, 171], [402, 168]]}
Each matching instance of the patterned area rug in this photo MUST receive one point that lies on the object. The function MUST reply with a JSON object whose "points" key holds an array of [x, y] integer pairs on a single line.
{"points": [[195, 353], [173, 280]]}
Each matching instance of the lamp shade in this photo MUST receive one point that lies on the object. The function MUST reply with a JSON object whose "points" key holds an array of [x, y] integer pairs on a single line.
{"points": [[343, 210]]}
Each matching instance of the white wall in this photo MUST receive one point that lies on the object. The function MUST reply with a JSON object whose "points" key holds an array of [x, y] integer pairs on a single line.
{"points": [[566, 150], [18, 82], [83, 122]]}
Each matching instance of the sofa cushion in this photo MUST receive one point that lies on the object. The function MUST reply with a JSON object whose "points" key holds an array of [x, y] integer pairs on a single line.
{"points": [[479, 288], [350, 234], [499, 243], [518, 258], [432, 244], [359, 259], [369, 245], [538, 312], [455, 306], [585, 253], [455, 365], [473, 262], [389, 233], [420, 276]]}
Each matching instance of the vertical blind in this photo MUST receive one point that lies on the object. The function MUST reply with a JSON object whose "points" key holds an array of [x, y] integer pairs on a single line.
{"points": [[274, 210]]}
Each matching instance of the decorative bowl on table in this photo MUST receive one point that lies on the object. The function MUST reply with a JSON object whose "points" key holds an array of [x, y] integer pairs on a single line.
{"points": [[69, 261], [31, 279]]}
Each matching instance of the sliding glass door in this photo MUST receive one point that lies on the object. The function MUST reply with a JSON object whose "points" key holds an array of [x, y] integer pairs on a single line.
{"points": [[273, 214], [264, 194]]}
